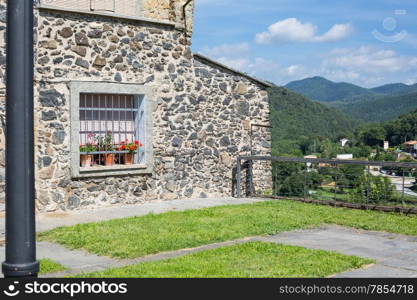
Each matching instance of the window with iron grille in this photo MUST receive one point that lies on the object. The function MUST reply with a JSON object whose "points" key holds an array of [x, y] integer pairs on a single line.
{"points": [[111, 129]]}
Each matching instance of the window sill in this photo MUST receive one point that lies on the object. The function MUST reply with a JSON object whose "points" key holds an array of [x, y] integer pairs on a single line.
{"points": [[115, 170], [111, 168], [111, 15]]}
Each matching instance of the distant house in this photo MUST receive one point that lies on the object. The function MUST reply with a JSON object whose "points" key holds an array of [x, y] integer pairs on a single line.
{"points": [[344, 142], [344, 156], [309, 164], [386, 145], [411, 147]]}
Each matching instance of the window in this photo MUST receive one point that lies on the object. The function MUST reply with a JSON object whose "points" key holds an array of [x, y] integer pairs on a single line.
{"points": [[120, 7], [111, 129]]}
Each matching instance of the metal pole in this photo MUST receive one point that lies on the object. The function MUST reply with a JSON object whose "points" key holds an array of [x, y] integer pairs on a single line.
{"points": [[20, 189], [238, 173], [403, 190], [368, 183], [249, 179], [305, 183]]}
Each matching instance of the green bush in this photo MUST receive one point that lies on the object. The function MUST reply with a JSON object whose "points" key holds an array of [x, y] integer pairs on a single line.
{"points": [[373, 189]]}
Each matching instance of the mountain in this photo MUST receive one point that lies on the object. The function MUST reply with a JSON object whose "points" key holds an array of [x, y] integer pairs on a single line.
{"points": [[297, 120], [379, 109], [321, 89], [377, 104], [395, 88]]}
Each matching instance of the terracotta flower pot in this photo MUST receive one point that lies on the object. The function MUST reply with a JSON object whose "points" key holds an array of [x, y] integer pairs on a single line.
{"points": [[129, 158], [86, 160], [108, 159]]}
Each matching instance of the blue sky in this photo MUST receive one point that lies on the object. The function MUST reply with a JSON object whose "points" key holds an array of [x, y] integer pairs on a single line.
{"points": [[368, 43]]}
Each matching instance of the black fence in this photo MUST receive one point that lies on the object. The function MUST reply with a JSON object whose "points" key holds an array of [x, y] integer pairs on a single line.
{"points": [[376, 185]]}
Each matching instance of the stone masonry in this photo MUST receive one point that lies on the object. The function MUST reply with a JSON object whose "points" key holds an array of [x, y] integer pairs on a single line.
{"points": [[201, 109]]}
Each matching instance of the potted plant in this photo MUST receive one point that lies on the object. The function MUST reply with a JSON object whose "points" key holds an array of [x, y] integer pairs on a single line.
{"points": [[105, 144], [131, 148], [86, 158]]}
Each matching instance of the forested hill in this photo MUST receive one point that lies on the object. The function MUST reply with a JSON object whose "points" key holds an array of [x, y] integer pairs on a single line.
{"points": [[321, 89], [395, 89], [297, 120], [379, 104], [380, 109]]}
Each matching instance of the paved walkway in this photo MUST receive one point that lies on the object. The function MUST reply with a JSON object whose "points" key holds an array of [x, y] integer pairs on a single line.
{"points": [[396, 255]]}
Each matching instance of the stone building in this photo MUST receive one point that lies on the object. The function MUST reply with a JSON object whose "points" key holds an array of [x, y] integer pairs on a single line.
{"points": [[110, 73]]}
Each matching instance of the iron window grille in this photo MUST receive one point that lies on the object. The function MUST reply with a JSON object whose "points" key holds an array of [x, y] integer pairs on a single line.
{"points": [[108, 122]]}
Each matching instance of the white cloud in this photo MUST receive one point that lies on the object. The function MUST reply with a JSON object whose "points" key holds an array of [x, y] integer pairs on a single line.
{"points": [[367, 59], [295, 70], [411, 81], [227, 50], [239, 64], [292, 30], [266, 69]]}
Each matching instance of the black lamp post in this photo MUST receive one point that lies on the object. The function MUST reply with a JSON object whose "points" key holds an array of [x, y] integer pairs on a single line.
{"points": [[20, 187]]}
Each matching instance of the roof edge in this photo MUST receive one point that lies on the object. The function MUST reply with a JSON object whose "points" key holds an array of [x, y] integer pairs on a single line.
{"points": [[243, 74]]}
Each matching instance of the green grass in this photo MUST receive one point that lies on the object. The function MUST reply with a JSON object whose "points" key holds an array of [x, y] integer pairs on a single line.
{"points": [[139, 236], [250, 260], [48, 266], [328, 194]]}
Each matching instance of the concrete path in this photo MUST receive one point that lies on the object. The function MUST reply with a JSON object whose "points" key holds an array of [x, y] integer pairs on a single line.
{"points": [[395, 255], [91, 263], [48, 221]]}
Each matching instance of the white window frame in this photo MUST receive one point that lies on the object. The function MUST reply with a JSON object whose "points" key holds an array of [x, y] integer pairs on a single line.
{"points": [[145, 92]]}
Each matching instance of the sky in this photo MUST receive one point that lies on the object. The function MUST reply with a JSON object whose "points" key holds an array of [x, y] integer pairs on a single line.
{"points": [[368, 43]]}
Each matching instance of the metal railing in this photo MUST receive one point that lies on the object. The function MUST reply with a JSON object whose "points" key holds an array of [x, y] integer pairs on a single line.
{"points": [[377, 185]]}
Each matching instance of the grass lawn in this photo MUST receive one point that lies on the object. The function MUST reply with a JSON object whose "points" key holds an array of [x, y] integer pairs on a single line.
{"points": [[139, 236], [328, 194], [49, 266], [251, 260]]}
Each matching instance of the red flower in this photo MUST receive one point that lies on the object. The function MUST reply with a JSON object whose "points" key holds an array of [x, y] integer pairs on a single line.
{"points": [[136, 142]]}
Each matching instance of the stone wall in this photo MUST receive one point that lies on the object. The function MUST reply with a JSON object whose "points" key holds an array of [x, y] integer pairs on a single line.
{"points": [[171, 10], [200, 116], [228, 105]]}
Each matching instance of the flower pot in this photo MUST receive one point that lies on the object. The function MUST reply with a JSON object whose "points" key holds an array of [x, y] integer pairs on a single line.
{"points": [[129, 158], [108, 159], [86, 160]]}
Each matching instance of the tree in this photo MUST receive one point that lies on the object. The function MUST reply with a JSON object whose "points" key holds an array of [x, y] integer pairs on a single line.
{"points": [[373, 189], [373, 135]]}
